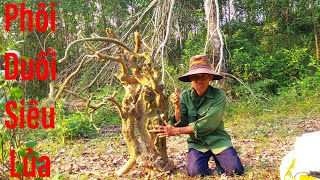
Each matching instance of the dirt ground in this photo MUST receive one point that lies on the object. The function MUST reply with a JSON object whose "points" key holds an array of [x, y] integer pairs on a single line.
{"points": [[100, 157]]}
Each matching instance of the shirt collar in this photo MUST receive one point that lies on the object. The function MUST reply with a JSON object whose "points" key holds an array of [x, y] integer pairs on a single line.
{"points": [[209, 93]]}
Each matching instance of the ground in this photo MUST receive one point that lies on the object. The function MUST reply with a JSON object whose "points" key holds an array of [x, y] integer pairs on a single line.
{"points": [[260, 148]]}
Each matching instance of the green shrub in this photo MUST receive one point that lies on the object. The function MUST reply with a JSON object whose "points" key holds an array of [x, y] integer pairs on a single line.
{"points": [[269, 72], [72, 126], [308, 86], [107, 117]]}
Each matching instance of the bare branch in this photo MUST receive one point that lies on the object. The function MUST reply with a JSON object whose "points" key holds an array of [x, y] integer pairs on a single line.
{"points": [[3, 175], [95, 79], [91, 120], [249, 89], [162, 45], [137, 42], [39, 41], [105, 39], [71, 75], [89, 45], [74, 94], [104, 102], [125, 76], [112, 99], [45, 40], [134, 26], [111, 34]]}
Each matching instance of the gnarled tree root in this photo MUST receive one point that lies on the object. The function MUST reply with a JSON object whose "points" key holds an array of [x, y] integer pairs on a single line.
{"points": [[126, 167]]}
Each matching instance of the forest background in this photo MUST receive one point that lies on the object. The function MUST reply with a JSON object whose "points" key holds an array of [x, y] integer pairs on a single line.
{"points": [[272, 78]]}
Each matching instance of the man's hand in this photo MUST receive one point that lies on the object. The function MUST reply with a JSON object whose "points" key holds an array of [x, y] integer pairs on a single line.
{"points": [[175, 97], [165, 131]]}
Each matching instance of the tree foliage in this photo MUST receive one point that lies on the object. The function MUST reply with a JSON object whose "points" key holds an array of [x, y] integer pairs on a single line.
{"points": [[261, 29], [273, 46]]}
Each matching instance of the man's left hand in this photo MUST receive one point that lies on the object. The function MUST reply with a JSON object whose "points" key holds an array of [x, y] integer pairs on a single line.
{"points": [[165, 131]]}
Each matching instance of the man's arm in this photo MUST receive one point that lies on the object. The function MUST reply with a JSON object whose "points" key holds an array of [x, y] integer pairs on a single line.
{"points": [[169, 130]]}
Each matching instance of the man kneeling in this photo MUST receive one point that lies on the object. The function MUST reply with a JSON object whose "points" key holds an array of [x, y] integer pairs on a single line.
{"points": [[198, 113]]}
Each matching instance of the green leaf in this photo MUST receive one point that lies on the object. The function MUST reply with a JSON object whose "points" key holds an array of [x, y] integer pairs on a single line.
{"points": [[2, 73], [3, 101], [38, 178], [31, 144], [33, 154], [16, 93], [22, 151], [19, 168], [3, 52]]}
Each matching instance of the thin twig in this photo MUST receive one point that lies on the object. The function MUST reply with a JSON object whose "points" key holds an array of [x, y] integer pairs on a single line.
{"points": [[45, 40], [74, 94], [174, 84], [71, 75], [95, 79], [249, 89], [67, 52], [139, 20], [104, 102], [313, 110], [39, 41], [162, 45]]}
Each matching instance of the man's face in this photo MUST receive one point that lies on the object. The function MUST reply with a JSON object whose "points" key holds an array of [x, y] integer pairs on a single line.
{"points": [[200, 83]]}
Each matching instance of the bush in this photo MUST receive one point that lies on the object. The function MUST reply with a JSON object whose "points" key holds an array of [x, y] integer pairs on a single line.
{"points": [[308, 86], [270, 71], [104, 118], [73, 126]]}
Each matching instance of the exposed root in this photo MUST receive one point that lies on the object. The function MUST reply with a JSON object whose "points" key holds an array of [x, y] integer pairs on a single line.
{"points": [[126, 167]]}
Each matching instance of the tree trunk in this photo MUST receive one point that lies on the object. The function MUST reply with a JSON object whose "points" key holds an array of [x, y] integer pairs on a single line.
{"points": [[229, 21], [213, 39], [273, 22], [316, 40], [315, 29], [143, 106]]}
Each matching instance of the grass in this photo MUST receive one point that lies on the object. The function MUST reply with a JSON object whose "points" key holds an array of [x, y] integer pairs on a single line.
{"points": [[262, 133]]}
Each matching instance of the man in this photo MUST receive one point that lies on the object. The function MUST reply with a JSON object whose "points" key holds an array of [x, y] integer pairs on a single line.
{"points": [[198, 113]]}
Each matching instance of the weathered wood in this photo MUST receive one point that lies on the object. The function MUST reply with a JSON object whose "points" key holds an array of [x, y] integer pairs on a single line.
{"points": [[143, 106]]}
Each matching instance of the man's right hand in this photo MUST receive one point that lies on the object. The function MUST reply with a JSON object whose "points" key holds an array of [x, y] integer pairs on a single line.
{"points": [[175, 97]]}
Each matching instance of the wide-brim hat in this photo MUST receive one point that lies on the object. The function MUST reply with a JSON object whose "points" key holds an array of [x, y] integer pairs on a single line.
{"points": [[199, 64]]}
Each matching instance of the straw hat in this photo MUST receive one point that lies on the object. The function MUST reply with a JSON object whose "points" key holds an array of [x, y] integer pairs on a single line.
{"points": [[199, 64]]}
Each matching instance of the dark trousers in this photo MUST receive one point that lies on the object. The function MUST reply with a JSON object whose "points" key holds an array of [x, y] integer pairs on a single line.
{"points": [[227, 162]]}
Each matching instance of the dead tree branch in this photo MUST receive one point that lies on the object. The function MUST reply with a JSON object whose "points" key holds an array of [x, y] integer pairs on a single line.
{"points": [[135, 25], [97, 76], [74, 94], [162, 45], [143, 102], [71, 76], [104, 102], [101, 39]]}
